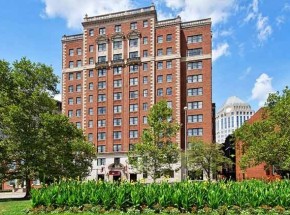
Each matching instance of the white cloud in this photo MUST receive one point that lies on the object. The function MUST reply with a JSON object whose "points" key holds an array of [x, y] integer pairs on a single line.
{"points": [[253, 10], [263, 28], [262, 88], [245, 73], [73, 11], [280, 20], [57, 97], [175, 4], [286, 7], [222, 49]]}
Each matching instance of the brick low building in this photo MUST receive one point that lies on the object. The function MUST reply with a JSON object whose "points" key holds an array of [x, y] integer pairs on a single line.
{"points": [[123, 63]]}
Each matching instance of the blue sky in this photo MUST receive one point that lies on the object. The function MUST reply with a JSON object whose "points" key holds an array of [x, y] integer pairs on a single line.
{"points": [[251, 39]]}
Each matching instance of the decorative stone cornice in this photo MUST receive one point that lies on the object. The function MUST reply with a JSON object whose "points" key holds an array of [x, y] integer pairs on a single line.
{"points": [[133, 33], [118, 35], [102, 38]]}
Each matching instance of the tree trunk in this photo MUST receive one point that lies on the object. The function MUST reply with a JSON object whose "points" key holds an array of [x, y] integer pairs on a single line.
{"points": [[28, 189]]}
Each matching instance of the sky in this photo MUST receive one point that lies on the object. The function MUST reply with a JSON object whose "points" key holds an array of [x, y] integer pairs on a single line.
{"points": [[251, 41]]}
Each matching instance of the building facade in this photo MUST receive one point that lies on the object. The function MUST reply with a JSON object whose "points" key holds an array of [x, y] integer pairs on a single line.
{"points": [[123, 63], [232, 115]]}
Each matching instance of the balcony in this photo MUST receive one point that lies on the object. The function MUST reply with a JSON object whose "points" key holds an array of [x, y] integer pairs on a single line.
{"points": [[117, 62], [133, 60], [102, 64]]}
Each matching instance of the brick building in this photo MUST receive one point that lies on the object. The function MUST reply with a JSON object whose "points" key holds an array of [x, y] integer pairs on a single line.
{"points": [[123, 63]]}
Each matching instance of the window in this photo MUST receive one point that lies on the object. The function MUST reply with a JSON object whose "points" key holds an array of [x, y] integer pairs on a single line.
{"points": [[168, 37], [194, 39], [169, 64], [78, 75], [117, 70], [101, 47], [145, 66], [117, 148], [78, 113], [102, 31], [159, 52], [101, 85], [70, 88], [194, 78], [133, 25], [101, 98], [133, 94], [169, 51], [133, 107], [101, 161], [169, 91], [79, 125], [70, 113], [194, 52], [194, 91], [169, 78], [70, 76], [145, 106], [117, 96], [117, 45], [194, 105], [145, 120], [194, 65], [91, 61], [159, 78], [90, 98], [101, 135], [90, 137], [117, 109], [91, 48], [160, 92], [133, 134], [91, 32], [117, 122], [133, 81], [133, 54], [133, 68], [78, 100], [79, 88], [159, 65], [91, 73], [194, 132], [90, 123], [117, 135], [145, 53], [169, 104], [102, 149], [131, 147], [79, 51], [160, 39], [145, 40], [91, 86], [90, 111], [71, 52], [102, 72], [118, 28], [71, 64], [145, 80], [145, 23], [117, 57], [195, 118], [101, 110], [117, 83], [101, 123], [70, 101], [133, 42], [133, 120], [145, 93]]}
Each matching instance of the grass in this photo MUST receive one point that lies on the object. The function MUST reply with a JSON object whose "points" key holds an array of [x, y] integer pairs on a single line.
{"points": [[14, 207]]}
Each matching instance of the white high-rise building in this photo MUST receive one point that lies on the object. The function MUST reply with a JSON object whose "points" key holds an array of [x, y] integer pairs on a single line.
{"points": [[232, 115]]}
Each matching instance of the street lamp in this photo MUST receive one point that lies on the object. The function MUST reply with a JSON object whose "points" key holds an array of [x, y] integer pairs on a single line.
{"points": [[185, 143]]}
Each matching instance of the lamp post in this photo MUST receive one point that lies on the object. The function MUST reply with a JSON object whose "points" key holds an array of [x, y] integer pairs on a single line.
{"points": [[185, 143]]}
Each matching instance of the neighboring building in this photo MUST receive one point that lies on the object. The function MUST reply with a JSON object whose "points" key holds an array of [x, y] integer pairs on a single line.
{"points": [[123, 63], [232, 115]]}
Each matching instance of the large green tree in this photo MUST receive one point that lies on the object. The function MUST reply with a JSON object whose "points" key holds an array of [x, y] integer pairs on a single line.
{"points": [[268, 139], [205, 157], [36, 142], [156, 152]]}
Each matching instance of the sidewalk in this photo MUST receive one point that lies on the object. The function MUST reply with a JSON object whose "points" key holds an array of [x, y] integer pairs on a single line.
{"points": [[11, 195]]}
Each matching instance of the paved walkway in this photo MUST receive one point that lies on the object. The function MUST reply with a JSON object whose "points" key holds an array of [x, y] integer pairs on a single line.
{"points": [[11, 195]]}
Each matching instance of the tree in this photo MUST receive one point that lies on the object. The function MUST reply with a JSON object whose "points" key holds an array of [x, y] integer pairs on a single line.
{"points": [[205, 157], [156, 151], [268, 140], [33, 135]]}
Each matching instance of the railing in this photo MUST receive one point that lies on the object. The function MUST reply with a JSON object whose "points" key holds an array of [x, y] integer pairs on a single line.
{"points": [[72, 37], [102, 64], [118, 62], [134, 60], [195, 23]]}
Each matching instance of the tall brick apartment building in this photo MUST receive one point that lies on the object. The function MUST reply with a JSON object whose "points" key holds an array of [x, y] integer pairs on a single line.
{"points": [[120, 66]]}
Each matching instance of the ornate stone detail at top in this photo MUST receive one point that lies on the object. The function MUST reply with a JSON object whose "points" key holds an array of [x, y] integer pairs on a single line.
{"points": [[102, 38], [133, 33], [118, 35]]}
